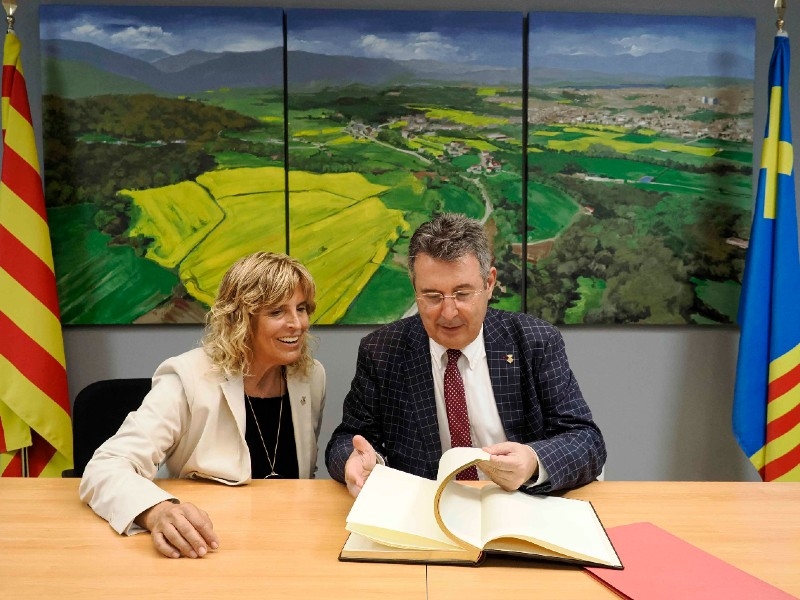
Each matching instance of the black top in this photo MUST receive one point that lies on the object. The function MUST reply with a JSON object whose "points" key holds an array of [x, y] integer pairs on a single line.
{"points": [[267, 411]]}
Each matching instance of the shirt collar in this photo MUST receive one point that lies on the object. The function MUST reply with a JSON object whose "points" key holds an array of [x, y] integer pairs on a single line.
{"points": [[473, 352]]}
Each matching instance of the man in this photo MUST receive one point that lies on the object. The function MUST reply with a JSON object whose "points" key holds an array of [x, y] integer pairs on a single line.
{"points": [[523, 403]]}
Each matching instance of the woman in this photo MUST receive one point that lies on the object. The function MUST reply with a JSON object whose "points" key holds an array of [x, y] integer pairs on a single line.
{"points": [[248, 404]]}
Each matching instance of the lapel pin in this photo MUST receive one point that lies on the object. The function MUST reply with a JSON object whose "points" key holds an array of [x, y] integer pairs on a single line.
{"points": [[303, 400], [509, 358]]}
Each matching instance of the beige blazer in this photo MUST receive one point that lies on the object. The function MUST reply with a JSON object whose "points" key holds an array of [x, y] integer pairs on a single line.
{"points": [[192, 424]]}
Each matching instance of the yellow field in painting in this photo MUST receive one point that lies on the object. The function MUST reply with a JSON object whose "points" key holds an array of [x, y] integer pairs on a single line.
{"points": [[342, 232], [238, 182], [347, 185], [464, 117], [316, 132], [176, 216], [343, 250], [252, 222], [610, 139], [339, 228]]}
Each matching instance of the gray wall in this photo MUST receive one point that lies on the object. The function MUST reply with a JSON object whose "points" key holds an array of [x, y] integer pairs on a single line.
{"points": [[661, 395]]}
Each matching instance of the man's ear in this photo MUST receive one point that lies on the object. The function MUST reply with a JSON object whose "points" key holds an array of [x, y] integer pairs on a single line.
{"points": [[491, 279]]}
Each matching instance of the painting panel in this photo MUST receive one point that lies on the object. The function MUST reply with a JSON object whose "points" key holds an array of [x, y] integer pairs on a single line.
{"points": [[394, 116], [639, 167], [163, 154]]}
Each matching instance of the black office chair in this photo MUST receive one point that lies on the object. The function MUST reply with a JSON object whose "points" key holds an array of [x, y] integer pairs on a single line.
{"points": [[98, 411]]}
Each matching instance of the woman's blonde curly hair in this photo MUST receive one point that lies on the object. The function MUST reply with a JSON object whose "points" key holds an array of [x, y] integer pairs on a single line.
{"points": [[257, 282]]}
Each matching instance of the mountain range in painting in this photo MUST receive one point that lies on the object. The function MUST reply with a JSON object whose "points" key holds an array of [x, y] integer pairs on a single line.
{"points": [[195, 71]]}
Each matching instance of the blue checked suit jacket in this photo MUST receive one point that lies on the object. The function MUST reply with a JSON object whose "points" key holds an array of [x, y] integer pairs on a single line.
{"points": [[391, 401]]}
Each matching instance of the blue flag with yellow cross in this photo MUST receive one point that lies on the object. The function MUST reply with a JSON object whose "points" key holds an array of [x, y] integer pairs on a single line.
{"points": [[766, 407]]}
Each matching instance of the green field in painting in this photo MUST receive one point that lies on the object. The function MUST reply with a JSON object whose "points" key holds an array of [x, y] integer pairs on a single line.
{"points": [[388, 292], [455, 199], [549, 211], [98, 282], [260, 103], [612, 168]]}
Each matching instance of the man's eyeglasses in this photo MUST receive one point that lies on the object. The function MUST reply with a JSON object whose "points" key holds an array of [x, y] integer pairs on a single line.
{"points": [[460, 298]]}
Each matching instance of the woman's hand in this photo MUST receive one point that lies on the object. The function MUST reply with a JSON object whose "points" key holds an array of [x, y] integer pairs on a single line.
{"points": [[179, 529]]}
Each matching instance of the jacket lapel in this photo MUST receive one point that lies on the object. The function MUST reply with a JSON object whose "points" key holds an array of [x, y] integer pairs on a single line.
{"points": [[233, 390], [504, 369], [421, 396], [300, 400]]}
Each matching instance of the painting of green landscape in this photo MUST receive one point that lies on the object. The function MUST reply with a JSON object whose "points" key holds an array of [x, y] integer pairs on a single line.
{"points": [[425, 107], [610, 164], [639, 167]]}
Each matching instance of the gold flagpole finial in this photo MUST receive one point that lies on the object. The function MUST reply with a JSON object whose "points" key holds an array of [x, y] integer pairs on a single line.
{"points": [[11, 8], [780, 8]]}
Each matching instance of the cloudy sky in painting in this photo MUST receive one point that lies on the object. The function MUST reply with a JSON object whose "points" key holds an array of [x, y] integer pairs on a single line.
{"points": [[604, 38], [486, 38], [173, 30]]}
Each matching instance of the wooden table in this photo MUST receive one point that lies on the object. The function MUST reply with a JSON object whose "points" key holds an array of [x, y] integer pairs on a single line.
{"points": [[278, 539], [281, 539]]}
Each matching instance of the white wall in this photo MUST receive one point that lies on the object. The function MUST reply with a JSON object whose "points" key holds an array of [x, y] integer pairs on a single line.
{"points": [[661, 395]]}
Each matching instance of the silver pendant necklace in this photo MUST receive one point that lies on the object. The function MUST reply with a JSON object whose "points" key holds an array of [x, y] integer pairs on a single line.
{"points": [[272, 460]]}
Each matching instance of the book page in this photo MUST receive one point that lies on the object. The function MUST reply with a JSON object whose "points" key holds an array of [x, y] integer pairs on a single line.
{"points": [[396, 508], [358, 547], [460, 512], [456, 459], [562, 525]]}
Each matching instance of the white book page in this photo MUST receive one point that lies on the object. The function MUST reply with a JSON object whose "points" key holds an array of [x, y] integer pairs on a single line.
{"points": [[560, 524], [396, 508], [455, 458], [460, 511]]}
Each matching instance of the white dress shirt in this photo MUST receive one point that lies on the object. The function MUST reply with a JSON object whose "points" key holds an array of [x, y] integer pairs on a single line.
{"points": [[485, 426]]}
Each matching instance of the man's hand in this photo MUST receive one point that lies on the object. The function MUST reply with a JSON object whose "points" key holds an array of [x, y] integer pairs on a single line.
{"points": [[511, 464], [360, 464], [179, 529]]}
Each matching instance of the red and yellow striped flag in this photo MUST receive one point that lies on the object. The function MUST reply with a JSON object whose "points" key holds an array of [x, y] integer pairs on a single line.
{"points": [[35, 427]]}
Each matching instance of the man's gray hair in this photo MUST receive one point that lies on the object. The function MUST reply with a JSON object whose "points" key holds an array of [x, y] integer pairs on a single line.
{"points": [[449, 237]]}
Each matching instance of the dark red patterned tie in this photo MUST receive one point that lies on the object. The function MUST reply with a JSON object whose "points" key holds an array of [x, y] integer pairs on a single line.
{"points": [[457, 417]]}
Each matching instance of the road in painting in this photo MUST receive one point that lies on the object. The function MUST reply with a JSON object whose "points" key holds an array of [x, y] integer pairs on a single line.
{"points": [[639, 167], [165, 150]]}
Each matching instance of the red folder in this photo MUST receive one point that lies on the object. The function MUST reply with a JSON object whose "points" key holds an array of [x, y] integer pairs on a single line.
{"points": [[661, 566]]}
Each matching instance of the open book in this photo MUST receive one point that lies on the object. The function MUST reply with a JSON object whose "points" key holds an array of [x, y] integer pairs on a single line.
{"points": [[399, 517]]}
